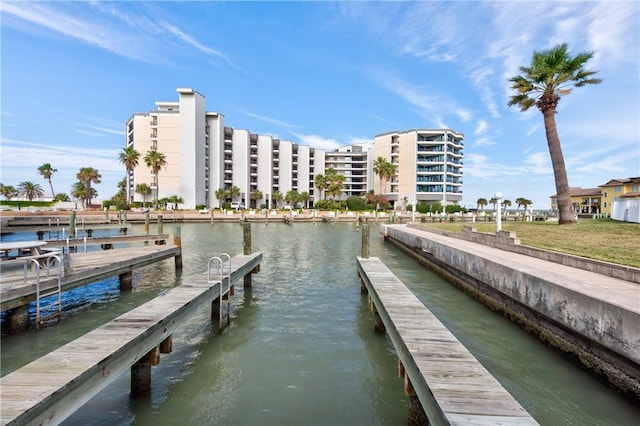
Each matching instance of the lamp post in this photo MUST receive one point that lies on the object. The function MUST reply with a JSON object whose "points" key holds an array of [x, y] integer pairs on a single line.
{"points": [[498, 197]]}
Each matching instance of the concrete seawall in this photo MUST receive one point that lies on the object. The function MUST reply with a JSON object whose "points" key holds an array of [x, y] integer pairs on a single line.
{"points": [[593, 319]]}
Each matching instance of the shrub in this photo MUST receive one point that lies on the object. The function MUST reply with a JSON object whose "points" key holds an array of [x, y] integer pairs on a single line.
{"points": [[355, 203]]}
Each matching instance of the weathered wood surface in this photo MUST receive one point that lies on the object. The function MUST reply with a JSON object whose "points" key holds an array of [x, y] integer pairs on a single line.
{"points": [[452, 386], [49, 389], [86, 268], [119, 239]]}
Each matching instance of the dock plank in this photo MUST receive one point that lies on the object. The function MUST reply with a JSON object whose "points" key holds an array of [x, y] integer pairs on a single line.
{"points": [[86, 268], [452, 386], [75, 372]]}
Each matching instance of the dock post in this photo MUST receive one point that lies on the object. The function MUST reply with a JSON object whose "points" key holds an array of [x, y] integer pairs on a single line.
{"points": [[18, 319], [72, 224], [212, 211], [146, 223], [177, 241], [126, 281], [160, 230], [215, 310], [246, 249], [141, 373], [365, 240], [106, 214]]}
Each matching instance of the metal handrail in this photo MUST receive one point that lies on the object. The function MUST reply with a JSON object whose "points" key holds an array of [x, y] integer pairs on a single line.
{"points": [[221, 276], [47, 263]]}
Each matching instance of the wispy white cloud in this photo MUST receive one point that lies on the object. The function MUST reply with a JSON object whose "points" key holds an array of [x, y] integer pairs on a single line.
{"points": [[484, 141], [481, 127], [270, 120], [110, 26], [319, 142], [32, 155]]}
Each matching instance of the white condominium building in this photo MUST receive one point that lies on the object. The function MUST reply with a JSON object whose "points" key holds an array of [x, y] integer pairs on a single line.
{"points": [[203, 156], [428, 165]]}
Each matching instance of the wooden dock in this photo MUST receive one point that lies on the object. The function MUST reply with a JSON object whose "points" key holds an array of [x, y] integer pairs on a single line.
{"points": [[85, 268], [51, 388], [451, 386]]}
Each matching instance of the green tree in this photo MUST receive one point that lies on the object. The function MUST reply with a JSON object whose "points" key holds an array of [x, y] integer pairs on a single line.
{"points": [[548, 78], [305, 197], [130, 158], [81, 192], [255, 196], [378, 169], [320, 181], [155, 161], [9, 192], [221, 195], [385, 170], [481, 203], [88, 175], [46, 171], [144, 190], [234, 192], [334, 182], [276, 197], [292, 197], [30, 190], [494, 201], [61, 196]]}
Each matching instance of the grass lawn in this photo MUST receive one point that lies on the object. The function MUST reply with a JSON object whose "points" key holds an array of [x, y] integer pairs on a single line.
{"points": [[602, 239]]}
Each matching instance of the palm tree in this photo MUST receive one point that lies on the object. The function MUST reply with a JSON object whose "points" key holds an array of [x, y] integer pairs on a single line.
{"points": [[255, 196], [494, 201], [379, 169], [320, 181], [234, 192], [221, 195], [88, 175], [542, 84], [79, 192], [388, 172], [292, 197], [305, 197], [481, 202], [61, 196], [144, 190], [155, 161], [130, 158], [46, 171], [30, 190], [9, 192], [276, 197]]}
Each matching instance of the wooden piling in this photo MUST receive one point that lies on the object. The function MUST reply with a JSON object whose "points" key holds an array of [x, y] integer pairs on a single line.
{"points": [[160, 230], [246, 250], [365, 240], [146, 223], [177, 241], [126, 281], [18, 319], [72, 224]]}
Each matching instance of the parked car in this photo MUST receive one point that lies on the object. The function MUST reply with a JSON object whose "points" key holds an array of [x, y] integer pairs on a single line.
{"points": [[237, 205]]}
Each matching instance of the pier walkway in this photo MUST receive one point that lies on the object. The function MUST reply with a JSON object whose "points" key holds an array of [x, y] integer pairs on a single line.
{"points": [[49, 389], [450, 384], [17, 291]]}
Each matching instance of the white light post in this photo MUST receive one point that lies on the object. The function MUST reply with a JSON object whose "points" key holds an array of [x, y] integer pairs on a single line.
{"points": [[498, 197]]}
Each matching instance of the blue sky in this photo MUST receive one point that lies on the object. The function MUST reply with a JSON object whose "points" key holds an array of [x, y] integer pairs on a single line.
{"points": [[322, 74]]}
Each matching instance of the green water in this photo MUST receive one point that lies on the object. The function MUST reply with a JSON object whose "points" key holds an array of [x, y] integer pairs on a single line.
{"points": [[300, 349]]}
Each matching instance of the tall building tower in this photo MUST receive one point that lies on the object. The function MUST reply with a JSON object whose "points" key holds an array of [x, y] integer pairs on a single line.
{"points": [[182, 131], [428, 165], [351, 162]]}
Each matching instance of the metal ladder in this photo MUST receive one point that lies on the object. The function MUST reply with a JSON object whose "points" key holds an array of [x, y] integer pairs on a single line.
{"points": [[49, 263], [219, 267]]}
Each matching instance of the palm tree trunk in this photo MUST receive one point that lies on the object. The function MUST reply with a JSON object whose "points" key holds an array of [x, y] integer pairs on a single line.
{"points": [[559, 169], [53, 194]]}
